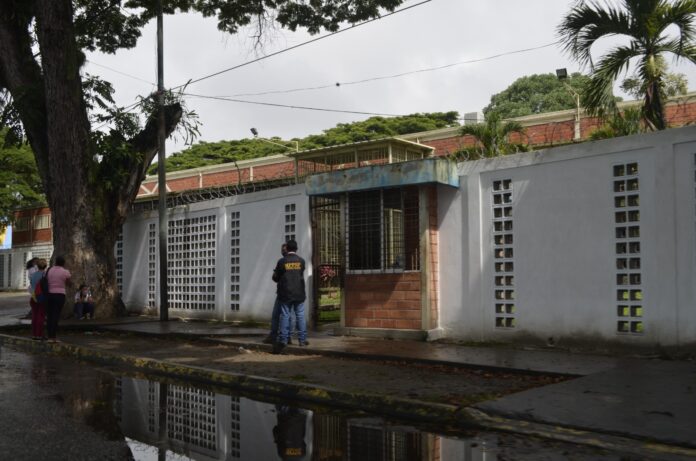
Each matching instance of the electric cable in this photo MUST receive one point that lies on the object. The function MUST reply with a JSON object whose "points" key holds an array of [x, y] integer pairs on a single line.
{"points": [[385, 77], [205, 77], [288, 106]]}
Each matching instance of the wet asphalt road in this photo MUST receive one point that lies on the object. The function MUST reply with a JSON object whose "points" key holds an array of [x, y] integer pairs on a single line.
{"points": [[13, 305], [38, 422]]}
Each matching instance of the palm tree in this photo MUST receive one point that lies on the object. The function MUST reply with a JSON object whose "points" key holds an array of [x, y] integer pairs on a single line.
{"points": [[644, 23], [492, 136]]}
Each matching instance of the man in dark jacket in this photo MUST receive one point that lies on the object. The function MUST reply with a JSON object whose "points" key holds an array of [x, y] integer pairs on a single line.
{"points": [[289, 275]]}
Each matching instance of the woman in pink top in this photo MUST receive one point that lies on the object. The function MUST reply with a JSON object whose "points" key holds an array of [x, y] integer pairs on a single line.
{"points": [[58, 278]]}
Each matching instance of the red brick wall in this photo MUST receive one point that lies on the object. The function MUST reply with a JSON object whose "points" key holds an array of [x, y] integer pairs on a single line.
{"points": [[383, 301]]}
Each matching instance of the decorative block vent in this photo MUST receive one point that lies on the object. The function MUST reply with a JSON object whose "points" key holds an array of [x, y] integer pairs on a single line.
{"points": [[234, 260], [191, 248], [503, 255], [118, 254], [2, 271], [235, 429], [290, 218], [152, 406], [191, 417], [629, 280], [152, 265]]}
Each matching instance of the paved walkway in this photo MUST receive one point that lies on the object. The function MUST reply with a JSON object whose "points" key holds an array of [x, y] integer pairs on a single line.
{"points": [[641, 398]]}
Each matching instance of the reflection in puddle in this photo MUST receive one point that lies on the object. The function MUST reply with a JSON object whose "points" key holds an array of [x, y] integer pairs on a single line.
{"points": [[175, 422]]}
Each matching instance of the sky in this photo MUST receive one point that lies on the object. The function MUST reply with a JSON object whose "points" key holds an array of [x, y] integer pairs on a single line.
{"points": [[433, 34]]}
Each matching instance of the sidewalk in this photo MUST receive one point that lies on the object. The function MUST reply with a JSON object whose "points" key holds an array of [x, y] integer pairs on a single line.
{"points": [[640, 398], [652, 402]]}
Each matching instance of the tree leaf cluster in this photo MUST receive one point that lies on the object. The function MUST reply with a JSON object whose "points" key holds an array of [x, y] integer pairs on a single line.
{"points": [[20, 185], [536, 94], [649, 29], [213, 153]]}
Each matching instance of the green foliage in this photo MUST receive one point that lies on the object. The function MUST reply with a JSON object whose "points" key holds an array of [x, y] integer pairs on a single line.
{"points": [[492, 138], [213, 153], [645, 24], [20, 185], [620, 124], [535, 94], [675, 84]]}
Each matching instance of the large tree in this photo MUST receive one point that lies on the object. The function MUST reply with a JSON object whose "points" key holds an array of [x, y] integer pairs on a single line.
{"points": [[91, 176], [645, 26], [535, 94]]}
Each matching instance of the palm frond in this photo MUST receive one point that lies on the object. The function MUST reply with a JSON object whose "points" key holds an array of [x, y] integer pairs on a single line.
{"points": [[586, 23]]}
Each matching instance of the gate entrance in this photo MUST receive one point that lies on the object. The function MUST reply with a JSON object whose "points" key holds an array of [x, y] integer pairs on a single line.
{"points": [[327, 259]]}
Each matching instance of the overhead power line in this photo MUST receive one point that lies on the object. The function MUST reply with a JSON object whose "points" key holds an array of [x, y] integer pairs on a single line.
{"points": [[242, 101], [120, 72], [299, 45], [385, 77]]}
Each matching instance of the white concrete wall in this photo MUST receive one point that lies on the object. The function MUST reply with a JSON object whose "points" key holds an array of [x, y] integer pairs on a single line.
{"points": [[564, 242], [14, 274], [262, 231]]}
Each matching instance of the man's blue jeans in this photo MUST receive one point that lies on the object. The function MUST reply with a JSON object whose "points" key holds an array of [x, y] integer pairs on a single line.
{"points": [[288, 310], [275, 320]]}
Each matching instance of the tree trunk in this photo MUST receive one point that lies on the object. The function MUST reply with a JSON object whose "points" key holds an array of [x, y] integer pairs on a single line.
{"points": [[67, 184], [89, 197]]}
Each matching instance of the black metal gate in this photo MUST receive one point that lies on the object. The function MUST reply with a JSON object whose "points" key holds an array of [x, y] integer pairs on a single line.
{"points": [[327, 259]]}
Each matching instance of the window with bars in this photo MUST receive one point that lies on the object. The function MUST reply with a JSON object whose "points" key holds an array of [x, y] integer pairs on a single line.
{"points": [[383, 231], [629, 291]]}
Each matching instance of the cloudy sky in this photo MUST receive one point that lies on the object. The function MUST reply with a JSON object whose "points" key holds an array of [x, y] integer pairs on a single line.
{"points": [[436, 33]]}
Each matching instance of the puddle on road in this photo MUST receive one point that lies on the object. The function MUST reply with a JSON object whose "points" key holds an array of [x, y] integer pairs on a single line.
{"points": [[177, 421], [170, 420]]}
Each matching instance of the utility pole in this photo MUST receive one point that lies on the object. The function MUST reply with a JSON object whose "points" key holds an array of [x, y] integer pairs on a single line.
{"points": [[161, 173]]}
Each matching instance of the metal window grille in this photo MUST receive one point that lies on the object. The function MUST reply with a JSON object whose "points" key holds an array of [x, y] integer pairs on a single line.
{"points": [[629, 291], [383, 230], [503, 254], [326, 212], [234, 260]]}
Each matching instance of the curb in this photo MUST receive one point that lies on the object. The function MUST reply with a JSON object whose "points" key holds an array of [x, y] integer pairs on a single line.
{"points": [[396, 407], [401, 408], [296, 350]]}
